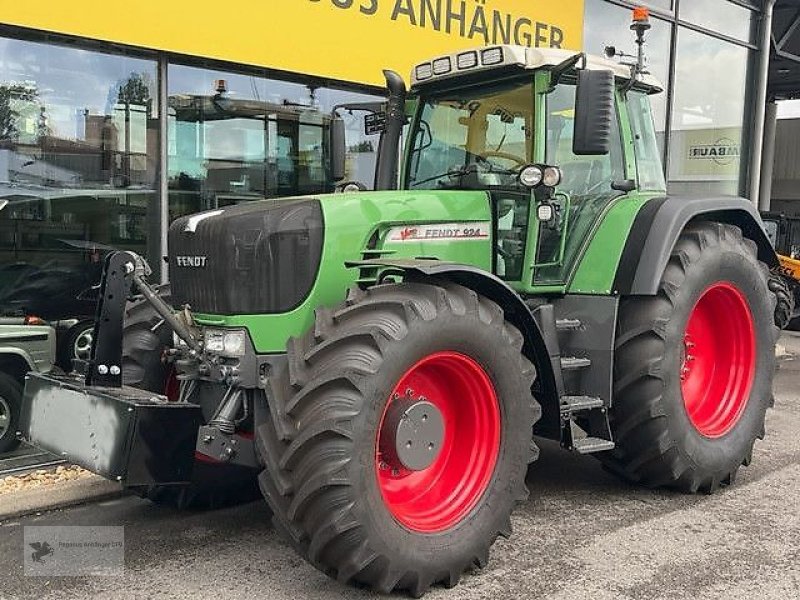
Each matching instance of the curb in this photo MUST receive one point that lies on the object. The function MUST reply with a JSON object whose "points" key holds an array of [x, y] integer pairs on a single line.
{"points": [[69, 493]]}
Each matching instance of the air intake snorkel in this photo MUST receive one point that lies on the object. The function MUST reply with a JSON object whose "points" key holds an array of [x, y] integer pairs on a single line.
{"points": [[389, 149]]}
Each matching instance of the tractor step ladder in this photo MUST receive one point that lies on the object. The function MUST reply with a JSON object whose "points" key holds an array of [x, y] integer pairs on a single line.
{"points": [[571, 363], [575, 406], [568, 324], [584, 418]]}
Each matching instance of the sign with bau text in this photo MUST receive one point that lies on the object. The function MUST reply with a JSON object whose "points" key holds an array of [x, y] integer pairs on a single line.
{"points": [[712, 154]]}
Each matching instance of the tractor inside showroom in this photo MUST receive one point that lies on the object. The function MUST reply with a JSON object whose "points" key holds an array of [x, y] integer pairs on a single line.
{"points": [[379, 362]]}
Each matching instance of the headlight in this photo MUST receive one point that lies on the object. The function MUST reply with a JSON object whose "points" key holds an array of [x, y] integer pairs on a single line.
{"points": [[545, 212], [492, 56], [552, 176], [467, 60], [225, 342], [531, 176]]}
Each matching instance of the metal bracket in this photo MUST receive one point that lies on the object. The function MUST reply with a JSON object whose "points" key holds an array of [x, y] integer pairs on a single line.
{"points": [[105, 366], [229, 449]]}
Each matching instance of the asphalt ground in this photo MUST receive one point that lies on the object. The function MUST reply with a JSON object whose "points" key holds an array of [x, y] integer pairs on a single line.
{"points": [[582, 535]]}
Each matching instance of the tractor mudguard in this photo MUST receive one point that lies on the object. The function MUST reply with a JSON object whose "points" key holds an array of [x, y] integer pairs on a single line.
{"points": [[492, 287], [658, 226]]}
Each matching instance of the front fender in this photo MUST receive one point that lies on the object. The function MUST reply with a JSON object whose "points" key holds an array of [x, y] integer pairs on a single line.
{"points": [[490, 286]]}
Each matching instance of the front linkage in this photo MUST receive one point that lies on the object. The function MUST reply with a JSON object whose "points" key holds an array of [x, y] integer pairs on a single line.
{"points": [[125, 433]]}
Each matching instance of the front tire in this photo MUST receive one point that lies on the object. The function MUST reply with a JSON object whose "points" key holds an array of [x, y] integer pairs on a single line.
{"points": [[694, 365], [341, 489]]}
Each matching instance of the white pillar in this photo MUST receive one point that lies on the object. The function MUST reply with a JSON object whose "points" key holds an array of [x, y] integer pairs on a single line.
{"points": [[768, 156], [760, 99]]}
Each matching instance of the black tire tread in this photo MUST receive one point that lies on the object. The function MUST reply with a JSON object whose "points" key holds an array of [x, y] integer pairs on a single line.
{"points": [[143, 338], [305, 446], [646, 453], [780, 286]]}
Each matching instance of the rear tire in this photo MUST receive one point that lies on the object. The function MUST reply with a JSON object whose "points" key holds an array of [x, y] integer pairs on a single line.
{"points": [[10, 405], [794, 324], [781, 286], [145, 340], [335, 491], [693, 373]]}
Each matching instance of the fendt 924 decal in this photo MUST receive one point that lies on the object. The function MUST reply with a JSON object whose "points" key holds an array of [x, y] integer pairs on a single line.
{"points": [[440, 231]]}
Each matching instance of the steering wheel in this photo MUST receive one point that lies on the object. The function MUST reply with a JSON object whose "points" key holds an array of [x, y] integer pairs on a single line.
{"points": [[519, 162]]}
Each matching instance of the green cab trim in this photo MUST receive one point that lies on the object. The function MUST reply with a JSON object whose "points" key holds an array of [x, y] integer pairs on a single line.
{"points": [[598, 265]]}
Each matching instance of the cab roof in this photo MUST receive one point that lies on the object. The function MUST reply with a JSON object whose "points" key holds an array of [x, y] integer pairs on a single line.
{"points": [[491, 58]]}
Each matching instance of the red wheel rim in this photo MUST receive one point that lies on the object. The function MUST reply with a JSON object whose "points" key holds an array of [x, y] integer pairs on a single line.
{"points": [[718, 360], [438, 497]]}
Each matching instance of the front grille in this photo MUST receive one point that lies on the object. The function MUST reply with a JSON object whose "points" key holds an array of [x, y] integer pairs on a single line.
{"points": [[255, 258]]}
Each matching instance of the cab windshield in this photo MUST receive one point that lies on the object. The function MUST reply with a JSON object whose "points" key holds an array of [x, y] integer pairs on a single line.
{"points": [[478, 137]]}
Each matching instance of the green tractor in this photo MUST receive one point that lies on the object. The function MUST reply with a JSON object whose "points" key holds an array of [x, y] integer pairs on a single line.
{"points": [[380, 362]]}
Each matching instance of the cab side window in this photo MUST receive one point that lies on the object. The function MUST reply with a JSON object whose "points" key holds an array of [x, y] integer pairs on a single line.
{"points": [[583, 175], [648, 155]]}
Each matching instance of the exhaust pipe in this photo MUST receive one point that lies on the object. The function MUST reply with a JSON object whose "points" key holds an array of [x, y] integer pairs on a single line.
{"points": [[389, 147]]}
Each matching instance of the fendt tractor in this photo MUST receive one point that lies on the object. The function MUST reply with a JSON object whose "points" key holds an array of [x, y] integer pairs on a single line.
{"points": [[379, 363]]}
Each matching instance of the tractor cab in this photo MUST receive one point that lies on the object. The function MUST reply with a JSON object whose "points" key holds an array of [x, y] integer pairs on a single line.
{"points": [[540, 130]]}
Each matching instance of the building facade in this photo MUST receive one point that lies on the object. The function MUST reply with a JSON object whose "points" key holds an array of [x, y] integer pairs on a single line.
{"points": [[114, 124]]}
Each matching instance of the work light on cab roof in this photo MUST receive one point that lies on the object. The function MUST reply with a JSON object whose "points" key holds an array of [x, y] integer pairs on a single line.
{"points": [[480, 62]]}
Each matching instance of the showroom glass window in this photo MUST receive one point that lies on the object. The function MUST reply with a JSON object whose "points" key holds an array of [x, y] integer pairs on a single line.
{"points": [[78, 166], [609, 25], [720, 16], [662, 5], [708, 115], [237, 137]]}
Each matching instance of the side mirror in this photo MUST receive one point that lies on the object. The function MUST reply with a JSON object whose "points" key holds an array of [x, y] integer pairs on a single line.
{"points": [[594, 110], [338, 148]]}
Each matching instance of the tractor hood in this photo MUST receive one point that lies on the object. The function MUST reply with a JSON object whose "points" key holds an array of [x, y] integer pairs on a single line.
{"points": [[266, 265], [259, 257]]}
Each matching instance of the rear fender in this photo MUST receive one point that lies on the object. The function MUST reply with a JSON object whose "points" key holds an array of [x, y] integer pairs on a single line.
{"points": [[658, 226]]}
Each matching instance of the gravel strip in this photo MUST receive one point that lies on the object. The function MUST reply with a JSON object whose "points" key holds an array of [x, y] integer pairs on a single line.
{"points": [[41, 478]]}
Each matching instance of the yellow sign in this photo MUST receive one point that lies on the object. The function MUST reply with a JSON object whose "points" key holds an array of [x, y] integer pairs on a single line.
{"points": [[350, 40]]}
